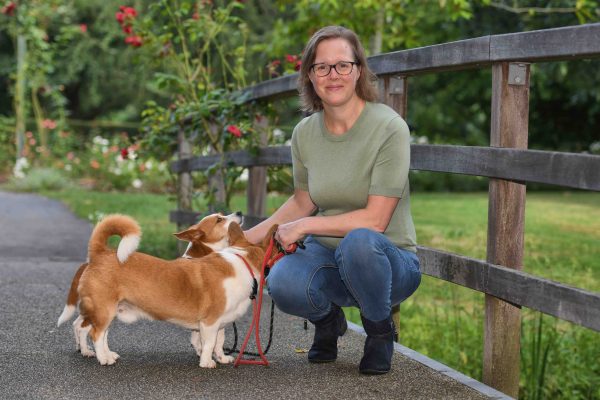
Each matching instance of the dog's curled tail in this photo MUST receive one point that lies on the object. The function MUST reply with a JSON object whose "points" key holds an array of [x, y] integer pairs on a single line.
{"points": [[72, 298], [116, 224]]}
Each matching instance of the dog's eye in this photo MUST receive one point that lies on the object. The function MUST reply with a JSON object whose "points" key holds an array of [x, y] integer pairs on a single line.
{"points": [[219, 220]]}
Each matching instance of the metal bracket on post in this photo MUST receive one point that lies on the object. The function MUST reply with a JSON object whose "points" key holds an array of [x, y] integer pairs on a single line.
{"points": [[517, 74]]}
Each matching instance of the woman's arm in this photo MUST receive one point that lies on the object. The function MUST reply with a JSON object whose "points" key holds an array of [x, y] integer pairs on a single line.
{"points": [[298, 206], [376, 216]]}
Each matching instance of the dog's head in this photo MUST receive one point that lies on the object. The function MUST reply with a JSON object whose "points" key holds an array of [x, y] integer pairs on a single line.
{"points": [[237, 237], [211, 234]]}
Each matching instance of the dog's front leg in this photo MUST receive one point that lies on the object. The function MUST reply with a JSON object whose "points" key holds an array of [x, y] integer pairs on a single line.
{"points": [[208, 336], [219, 354]]}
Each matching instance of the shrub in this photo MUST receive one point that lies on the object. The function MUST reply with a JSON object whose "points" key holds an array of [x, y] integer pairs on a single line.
{"points": [[40, 179]]}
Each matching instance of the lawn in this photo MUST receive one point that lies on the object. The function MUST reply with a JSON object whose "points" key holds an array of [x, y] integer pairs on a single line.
{"points": [[443, 320]]}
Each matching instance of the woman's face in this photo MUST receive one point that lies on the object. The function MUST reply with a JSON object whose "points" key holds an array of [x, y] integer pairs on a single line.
{"points": [[335, 89]]}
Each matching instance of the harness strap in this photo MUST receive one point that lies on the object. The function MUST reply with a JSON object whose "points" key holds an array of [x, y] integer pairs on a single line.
{"points": [[254, 282]]}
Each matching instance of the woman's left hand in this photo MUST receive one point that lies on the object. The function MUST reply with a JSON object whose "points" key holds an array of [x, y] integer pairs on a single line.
{"points": [[289, 233]]}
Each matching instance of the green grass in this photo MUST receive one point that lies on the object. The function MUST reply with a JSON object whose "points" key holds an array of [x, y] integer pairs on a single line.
{"points": [[442, 320]]}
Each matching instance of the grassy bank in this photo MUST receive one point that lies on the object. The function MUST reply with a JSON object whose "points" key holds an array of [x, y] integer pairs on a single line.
{"points": [[442, 320]]}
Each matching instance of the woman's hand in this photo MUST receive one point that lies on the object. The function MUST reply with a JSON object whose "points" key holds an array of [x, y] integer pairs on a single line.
{"points": [[288, 234]]}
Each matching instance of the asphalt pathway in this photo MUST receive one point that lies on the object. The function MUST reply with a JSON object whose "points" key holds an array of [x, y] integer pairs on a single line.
{"points": [[41, 246]]}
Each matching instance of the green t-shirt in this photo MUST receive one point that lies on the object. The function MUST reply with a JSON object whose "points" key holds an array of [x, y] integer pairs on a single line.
{"points": [[340, 172]]}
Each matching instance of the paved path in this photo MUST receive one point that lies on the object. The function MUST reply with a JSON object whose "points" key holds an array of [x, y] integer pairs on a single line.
{"points": [[41, 246]]}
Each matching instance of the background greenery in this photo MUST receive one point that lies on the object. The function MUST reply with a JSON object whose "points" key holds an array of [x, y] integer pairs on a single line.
{"points": [[86, 91]]}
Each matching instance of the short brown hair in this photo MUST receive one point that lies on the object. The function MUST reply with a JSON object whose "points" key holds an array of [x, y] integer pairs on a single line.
{"points": [[365, 89]]}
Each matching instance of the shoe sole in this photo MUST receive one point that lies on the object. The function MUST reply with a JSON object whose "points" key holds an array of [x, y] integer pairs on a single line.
{"points": [[373, 372]]}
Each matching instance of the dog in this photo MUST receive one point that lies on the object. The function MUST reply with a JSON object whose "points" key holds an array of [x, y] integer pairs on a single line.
{"points": [[209, 235], [197, 293]]}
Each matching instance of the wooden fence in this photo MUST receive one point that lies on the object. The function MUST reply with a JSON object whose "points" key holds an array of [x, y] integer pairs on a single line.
{"points": [[507, 163]]}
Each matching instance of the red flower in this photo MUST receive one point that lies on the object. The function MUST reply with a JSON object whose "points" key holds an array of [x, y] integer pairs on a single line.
{"points": [[127, 29], [298, 65], [135, 41], [124, 152], [83, 28], [291, 59], [9, 9], [275, 63], [129, 12], [49, 124], [120, 17], [234, 130]]}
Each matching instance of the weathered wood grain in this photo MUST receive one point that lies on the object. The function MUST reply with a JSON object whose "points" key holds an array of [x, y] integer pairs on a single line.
{"points": [[579, 171], [517, 287]]}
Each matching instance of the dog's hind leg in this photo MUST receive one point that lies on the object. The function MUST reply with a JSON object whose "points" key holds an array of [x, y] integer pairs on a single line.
{"points": [[208, 334], [81, 329], [196, 341], [219, 354], [101, 320], [112, 356]]}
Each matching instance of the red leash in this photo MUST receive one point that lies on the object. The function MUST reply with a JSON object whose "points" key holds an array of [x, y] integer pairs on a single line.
{"points": [[257, 304]]}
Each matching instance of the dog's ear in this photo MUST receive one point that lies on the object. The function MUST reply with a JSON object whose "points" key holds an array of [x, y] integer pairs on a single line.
{"points": [[190, 235], [236, 235], [267, 239]]}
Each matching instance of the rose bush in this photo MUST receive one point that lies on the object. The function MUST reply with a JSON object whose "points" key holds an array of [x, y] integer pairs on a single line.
{"points": [[199, 49]]}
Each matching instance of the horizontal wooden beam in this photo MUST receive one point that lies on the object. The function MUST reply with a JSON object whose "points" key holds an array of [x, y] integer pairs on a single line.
{"points": [[462, 54], [571, 304], [567, 43], [579, 171], [271, 89], [267, 156]]}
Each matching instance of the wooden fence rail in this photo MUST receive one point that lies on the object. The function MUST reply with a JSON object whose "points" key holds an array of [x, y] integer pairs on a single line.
{"points": [[507, 163]]}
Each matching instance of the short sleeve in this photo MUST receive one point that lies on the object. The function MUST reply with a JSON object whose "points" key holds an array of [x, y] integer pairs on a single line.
{"points": [[389, 176], [299, 169]]}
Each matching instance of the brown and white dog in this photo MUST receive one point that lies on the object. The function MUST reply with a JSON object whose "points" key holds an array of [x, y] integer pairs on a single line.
{"points": [[209, 235], [197, 293]]}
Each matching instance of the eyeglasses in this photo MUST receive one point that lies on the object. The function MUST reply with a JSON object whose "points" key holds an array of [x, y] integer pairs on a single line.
{"points": [[341, 67]]}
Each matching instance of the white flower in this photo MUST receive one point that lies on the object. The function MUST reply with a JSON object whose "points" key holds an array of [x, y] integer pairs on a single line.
{"points": [[244, 175], [20, 166], [148, 164], [100, 141], [68, 167], [137, 183], [131, 155]]}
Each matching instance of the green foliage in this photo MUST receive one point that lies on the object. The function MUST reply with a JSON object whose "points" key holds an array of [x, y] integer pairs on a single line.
{"points": [[39, 179]]}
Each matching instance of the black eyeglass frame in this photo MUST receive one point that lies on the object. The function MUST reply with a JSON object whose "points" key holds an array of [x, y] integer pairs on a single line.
{"points": [[334, 66]]}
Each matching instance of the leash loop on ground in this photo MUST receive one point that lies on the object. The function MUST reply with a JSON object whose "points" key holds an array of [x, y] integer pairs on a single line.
{"points": [[268, 261]]}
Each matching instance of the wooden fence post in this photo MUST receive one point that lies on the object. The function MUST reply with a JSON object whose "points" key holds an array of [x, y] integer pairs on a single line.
{"points": [[185, 185], [393, 91], [256, 190], [506, 219]]}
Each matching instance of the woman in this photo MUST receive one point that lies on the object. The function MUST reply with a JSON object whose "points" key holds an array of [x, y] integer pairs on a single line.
{"points": [[351, 202]]}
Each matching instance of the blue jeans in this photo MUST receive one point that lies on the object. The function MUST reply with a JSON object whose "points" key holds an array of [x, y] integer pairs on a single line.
{"points": [[365, 271]]}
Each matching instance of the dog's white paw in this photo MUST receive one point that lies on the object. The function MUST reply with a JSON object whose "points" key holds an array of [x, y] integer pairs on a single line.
{"points": [[225, 359], [87, 352], [106, 360], [113, 357], [208, 364]]}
